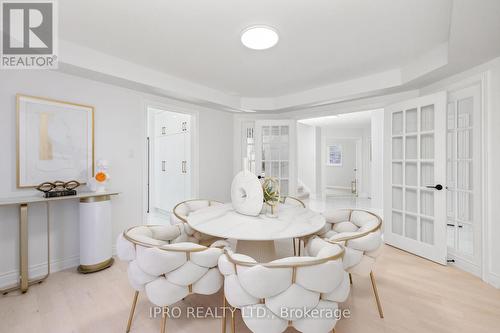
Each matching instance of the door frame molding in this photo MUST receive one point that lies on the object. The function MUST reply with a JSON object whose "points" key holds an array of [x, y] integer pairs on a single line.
{"points": [[194, 133]]}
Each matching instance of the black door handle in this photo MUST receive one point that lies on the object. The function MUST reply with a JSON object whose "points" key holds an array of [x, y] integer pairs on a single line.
{"points": [[438, 187]]}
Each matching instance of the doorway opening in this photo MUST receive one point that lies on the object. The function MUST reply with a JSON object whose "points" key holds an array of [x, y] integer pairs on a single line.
{"points": [[343, 167], [169, 162], [417, 163], [336, 161]]}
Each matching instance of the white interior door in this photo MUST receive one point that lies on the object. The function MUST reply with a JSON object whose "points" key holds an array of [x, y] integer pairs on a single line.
{"points": [[275, 152], [464, 178], [159, 181], [187, 161], [177, 191], [171, 159], [169, 181], [415, 164]]}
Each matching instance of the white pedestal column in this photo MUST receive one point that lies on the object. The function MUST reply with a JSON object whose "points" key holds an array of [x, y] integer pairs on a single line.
{"points": [[95, 234], [262, 251]]}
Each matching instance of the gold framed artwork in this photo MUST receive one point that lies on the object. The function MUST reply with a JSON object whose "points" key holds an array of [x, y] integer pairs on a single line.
{"points": [[55, 141]]}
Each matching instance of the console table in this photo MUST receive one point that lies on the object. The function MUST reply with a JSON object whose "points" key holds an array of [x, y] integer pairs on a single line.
{"points": [[95, 233]]}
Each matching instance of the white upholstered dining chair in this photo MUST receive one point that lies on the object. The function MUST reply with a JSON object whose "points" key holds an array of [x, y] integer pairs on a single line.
{"points": [[181, 212], [166, 267], [270, 294], [360, 232]]}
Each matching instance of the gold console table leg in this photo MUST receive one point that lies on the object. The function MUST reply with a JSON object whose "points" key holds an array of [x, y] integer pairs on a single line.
{"points": [[23, 246], [24, 281]]}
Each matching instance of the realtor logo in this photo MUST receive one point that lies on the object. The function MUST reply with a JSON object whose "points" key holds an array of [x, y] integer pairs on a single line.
{"points": [[28, 35]]}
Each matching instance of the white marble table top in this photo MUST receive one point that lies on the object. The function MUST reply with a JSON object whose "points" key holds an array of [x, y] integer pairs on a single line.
{"points": [[223, 221]]}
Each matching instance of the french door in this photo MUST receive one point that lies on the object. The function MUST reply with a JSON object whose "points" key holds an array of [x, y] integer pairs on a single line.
{"points": [[464, 178], [415, 164], [275, 152]]}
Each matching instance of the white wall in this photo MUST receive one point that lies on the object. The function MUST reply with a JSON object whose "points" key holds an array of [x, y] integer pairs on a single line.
{"points": [[215, 155], [377, 163], [120, 138], [319, 163], [306, 150], [365, 189]]}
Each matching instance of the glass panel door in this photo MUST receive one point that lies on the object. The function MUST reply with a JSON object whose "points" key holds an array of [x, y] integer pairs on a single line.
{"points": [[415, 177], [463, 175], [248, 146], [274, 151]]}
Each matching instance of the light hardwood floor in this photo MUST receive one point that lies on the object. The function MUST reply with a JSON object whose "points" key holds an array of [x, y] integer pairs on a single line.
{"points": [[417, 296]]}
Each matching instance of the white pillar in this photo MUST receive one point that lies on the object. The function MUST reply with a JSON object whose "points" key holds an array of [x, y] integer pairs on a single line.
{"points": [[95, 234]]}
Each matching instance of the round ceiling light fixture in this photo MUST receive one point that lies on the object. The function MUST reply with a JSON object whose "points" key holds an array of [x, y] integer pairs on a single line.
{"points": [[259, 37]]}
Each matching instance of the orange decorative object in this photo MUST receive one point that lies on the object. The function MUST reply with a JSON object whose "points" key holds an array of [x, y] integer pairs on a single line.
{"points": [[100, 177]]}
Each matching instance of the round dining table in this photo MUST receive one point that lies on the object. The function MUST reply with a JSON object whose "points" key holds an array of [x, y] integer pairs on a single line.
{"points": [[256, 235]]}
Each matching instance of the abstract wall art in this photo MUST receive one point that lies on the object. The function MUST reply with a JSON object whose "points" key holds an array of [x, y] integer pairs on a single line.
{"points": [[55, 141]]}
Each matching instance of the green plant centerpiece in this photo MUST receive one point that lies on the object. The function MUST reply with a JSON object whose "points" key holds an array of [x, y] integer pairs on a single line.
{"points": [[271, 188]]}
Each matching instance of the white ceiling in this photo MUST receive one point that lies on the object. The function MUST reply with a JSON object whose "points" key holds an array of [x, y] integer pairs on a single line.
{"points": [[329, 50], [352, 120], [321, 42]]}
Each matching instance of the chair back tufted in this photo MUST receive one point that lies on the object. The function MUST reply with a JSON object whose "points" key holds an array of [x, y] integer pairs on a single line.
{"points": [[360, 231], [289, 200], [270, 294], [167, 267], [181, 212]]}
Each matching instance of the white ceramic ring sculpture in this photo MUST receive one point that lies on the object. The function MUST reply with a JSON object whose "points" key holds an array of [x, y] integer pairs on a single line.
{"points": [[246, 193]]}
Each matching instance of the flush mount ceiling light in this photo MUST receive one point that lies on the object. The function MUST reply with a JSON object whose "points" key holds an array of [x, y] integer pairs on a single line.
{"points": [[259, 37]]}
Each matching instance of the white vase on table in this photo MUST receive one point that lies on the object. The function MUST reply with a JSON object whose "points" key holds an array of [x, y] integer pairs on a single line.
{"points": [[247, 196]]}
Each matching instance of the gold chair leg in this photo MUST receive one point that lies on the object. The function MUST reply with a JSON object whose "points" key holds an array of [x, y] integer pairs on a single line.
{"points": [[132, 310], [233, 324], [294, 247], [163, 327], [223, 313], [379, 305], [300, 245], [350, 278]]}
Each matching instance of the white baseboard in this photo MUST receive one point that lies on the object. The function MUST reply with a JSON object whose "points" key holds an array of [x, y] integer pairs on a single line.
{"points": [[38, 270], [333, 187], [465, 265], [493, 279]]}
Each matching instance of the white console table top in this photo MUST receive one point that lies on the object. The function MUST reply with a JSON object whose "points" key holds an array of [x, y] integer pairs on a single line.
{"points": [[223, 221], [39, 198]]}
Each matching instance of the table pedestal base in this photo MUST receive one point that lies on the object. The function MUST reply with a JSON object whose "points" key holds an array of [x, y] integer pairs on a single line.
{"points": [[262, 251], [85, 269]]}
